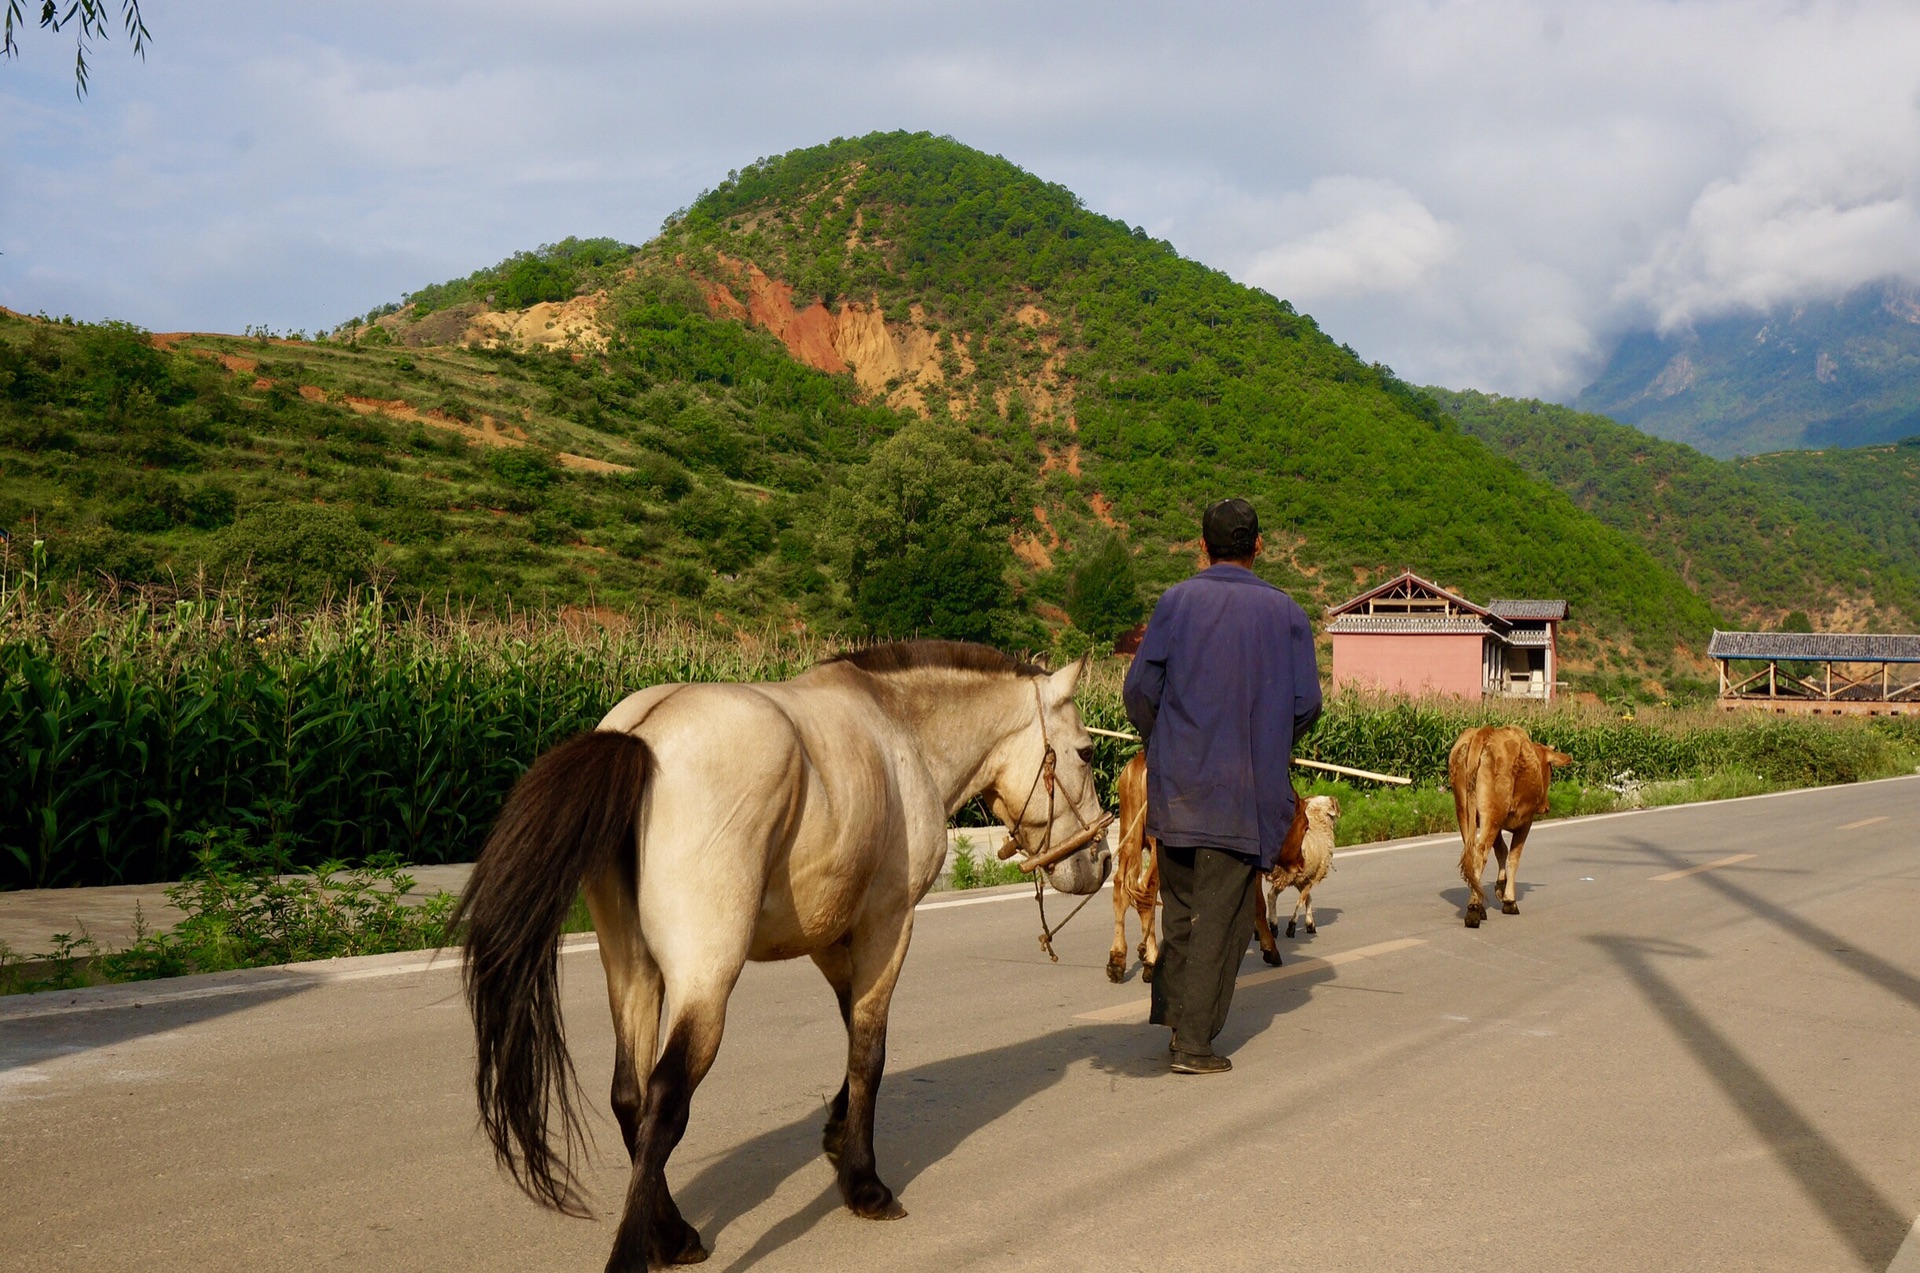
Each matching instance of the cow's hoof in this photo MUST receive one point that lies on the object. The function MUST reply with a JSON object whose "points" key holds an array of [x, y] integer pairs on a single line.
{"points": [[1271, 956], [1475, 914], [1290, 928], [1146, 974], [1311, 930], [1509, 908], [1116, 970]]}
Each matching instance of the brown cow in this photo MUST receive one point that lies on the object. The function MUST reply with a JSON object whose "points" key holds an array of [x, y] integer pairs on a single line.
{"points": [[1499, 778], [1136, 875]]}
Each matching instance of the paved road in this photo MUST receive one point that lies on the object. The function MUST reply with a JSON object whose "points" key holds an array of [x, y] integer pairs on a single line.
{"points": [[1653, 1066]]}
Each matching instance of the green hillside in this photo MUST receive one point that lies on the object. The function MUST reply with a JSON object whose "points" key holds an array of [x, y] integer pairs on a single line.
{"points": [[1750, 544], [884, 384], [1834, 373], [1872, 490]]}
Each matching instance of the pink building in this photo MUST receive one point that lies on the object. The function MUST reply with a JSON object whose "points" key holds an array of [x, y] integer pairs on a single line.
{"points": [[1411, 636]]}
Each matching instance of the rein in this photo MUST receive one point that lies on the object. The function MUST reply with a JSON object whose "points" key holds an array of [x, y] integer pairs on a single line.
{"points": [[1049, 853]]}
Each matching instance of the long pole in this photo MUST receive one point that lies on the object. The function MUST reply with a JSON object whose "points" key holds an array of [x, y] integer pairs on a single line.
{"points": [[1304, 764]]}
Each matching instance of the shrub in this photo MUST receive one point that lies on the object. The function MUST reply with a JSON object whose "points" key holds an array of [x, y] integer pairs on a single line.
{"points": [[1102, 598], [524, 466], [296, 552]]}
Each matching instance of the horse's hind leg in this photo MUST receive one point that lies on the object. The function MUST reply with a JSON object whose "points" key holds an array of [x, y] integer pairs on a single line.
{"points": [[699, 963], [633, 992], [1510, 874]]}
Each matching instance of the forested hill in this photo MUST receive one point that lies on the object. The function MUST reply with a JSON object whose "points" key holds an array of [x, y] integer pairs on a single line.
{"points": [[884, 385], [1760, 539]]}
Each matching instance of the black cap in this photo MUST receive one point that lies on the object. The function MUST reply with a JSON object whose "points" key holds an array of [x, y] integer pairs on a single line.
{"points": [[1229, 528]]}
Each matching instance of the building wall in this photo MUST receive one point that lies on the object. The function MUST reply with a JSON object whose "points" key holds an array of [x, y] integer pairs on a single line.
{"points": [[1440, 663]]}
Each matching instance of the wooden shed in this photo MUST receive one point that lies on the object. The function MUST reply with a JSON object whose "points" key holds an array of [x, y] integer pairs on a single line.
{"points": [[1411, 636], [1840, 673]]}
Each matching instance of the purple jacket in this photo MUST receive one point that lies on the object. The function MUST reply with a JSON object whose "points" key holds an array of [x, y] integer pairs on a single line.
{"points": [[1224, 682]]}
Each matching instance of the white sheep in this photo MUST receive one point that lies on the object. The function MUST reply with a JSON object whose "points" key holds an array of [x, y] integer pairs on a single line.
{"points": [[1316, 852]]}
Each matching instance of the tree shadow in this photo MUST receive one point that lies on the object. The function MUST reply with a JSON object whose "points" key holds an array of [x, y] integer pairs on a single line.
{"points": [[1864, 1218], [1840, 950], [928, 1111], [31, 1040]]}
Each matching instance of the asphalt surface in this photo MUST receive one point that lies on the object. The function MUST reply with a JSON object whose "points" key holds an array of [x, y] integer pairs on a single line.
{"points": [[1713, 1070]]}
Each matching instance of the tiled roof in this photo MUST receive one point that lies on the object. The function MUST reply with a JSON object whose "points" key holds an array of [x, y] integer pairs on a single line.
{"points": [[1530, 639], [1408, 623], [1839, 647], [1511, 609], [1426, 586]]}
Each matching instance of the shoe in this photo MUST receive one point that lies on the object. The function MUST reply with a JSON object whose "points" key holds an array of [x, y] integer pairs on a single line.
{"points": [[1208, 1063]]}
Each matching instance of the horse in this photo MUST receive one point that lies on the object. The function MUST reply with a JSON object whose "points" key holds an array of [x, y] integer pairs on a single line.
{"points": [[1500, 778], [712, 824]]}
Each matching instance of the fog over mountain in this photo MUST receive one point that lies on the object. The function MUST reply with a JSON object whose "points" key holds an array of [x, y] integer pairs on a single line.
{"points": [[1479, 193]]}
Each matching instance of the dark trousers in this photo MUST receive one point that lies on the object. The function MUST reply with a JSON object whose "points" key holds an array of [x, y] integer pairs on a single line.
{"points": [[1208, 901]]}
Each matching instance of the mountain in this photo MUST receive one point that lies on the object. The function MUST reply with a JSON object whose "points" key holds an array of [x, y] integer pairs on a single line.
{"points": [[1760, 538], [883, 384], [1839, 373]]}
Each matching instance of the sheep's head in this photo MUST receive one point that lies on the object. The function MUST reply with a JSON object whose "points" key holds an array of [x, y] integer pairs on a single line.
{"points": [[1323, 809]]}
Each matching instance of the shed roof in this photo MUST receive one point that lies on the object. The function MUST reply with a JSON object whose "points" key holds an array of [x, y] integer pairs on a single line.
{"points": [[1508, 608], [1836, 647]]}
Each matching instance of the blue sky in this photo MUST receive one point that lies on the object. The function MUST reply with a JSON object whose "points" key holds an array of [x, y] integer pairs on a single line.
{"points": [[1479, 193]]}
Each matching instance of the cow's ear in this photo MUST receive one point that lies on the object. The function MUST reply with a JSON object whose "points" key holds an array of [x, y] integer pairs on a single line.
{"points": [[1555, 758]]}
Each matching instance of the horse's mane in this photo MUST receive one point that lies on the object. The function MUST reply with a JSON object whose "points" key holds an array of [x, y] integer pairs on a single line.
{"points": [[958, 656]]}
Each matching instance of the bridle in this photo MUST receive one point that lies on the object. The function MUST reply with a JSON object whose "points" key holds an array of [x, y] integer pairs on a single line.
{"points": [[1050, 853]]}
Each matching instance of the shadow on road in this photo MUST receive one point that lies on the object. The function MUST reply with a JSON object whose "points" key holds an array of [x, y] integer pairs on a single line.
{"points": [[1832, 945], [29, 1041], [1858, 1213], [928, 1111]]}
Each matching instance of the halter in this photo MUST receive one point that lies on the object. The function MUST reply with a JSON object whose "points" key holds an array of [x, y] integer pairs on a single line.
{"points": [[1049, 853]]}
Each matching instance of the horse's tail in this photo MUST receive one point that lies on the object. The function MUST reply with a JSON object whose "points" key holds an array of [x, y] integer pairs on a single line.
{"points": [[568, 818]]}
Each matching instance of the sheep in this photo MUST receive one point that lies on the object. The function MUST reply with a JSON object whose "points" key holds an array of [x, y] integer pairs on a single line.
{"points": [[1316, 853]]}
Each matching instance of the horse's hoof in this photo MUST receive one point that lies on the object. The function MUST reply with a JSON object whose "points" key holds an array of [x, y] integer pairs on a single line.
{"points": [[1272, 956], [874, 1201], [1509, 908], [1146, 974], [1116, 971]]}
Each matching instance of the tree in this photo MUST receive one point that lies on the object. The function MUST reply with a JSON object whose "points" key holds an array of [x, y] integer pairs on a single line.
{"points": [[89, 20], [1102, 598], [295, 552], [944, 586]]}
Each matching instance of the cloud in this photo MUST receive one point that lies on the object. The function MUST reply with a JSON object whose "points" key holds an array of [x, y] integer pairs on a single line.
{"points": [[1479, 192], [1355, 237]]}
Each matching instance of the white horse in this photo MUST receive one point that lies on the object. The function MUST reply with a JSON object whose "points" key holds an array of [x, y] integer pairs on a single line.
{"points": [[713, 824]]}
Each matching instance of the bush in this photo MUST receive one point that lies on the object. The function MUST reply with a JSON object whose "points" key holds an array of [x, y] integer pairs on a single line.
{"points": [[945, 587], [523, 466], [1102, 598], [295, 552]]}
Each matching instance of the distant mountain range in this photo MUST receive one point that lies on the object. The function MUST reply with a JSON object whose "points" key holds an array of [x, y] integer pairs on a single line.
{"points": [[1839, 373]]}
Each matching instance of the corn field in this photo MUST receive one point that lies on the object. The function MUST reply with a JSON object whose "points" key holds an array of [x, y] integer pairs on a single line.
{"points": [[132, 729]]}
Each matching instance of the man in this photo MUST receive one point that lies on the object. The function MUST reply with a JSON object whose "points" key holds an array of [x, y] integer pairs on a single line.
{"points": [[1224, 682]]}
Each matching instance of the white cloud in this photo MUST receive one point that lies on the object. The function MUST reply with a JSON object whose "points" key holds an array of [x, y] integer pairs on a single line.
{"points": [[1351, 236]]}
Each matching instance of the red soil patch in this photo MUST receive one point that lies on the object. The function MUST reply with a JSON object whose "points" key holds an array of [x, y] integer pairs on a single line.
{"points": [[261, 382], [313, 393], [1103, 509]]}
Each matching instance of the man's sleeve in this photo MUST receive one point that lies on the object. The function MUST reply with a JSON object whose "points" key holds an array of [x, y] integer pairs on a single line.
{"points": [[1306, 675], [1147, 678]]}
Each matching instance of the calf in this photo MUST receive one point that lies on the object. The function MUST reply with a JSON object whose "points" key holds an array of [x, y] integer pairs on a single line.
{"points": [[1136, 874], [1499, 778], [1314, 818]]}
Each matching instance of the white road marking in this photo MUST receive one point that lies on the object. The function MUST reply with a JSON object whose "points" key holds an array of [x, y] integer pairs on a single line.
{"points": [[1864, 822], [1136, 1011], [1704, 866]]}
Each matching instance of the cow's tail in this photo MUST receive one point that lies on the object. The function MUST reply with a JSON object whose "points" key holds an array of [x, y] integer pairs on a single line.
{"points": [[1463, 771], [568, 818]]}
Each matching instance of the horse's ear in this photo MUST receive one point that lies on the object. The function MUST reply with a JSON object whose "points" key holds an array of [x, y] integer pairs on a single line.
{"points": [[1067, 679]]}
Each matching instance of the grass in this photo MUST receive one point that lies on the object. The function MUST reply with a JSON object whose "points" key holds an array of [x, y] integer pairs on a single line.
{"points": [[982, 870], [241, 913]]}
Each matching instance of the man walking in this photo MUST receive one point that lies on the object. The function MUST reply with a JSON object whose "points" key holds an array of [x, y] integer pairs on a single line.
{"points": [[1224, 682]]}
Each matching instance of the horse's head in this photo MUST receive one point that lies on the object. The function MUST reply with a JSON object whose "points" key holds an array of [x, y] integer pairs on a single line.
{"points": [[1042, 789]]}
